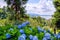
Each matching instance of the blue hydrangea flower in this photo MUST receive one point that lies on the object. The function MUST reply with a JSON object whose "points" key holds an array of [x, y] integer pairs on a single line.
{"points": [[55, 35], [22, 31], [27, 22], [47, 35], [58, 36], [30, 37], [23, 25], [8, 35], [35, 38], [44, 31], [19, 26], [21, 38], [24, 35], [44, 38], [40, 29]]}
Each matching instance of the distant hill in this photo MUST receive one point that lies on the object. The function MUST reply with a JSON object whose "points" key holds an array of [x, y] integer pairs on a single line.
{"points": [[33, 15]]}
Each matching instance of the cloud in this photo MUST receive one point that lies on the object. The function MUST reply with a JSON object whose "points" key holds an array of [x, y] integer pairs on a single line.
{"points": [[2, 3], [45, 7], [40, 7]]}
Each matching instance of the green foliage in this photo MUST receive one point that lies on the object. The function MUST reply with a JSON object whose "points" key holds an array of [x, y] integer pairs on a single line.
{"points": [[14, 32], [40, 35], [10, 14], [16, 6], [56, 20], [3, 15], [6, 29], [37, 21]]}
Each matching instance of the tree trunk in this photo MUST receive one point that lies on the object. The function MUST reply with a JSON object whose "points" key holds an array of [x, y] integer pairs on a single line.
{"points": [[54, 30]]}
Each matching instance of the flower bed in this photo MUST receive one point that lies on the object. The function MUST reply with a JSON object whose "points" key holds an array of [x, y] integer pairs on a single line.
{"points": [[26, 32]]}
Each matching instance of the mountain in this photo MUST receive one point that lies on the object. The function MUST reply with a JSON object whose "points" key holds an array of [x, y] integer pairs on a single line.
{"points": [[33, 15]]}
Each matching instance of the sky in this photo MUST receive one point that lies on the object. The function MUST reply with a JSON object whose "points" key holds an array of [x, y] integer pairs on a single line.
{"points": [[2, 3], [39, 7]]}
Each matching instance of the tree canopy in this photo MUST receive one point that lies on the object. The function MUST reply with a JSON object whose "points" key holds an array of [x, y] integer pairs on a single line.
{"points": [[57, 13], [16, 6]]}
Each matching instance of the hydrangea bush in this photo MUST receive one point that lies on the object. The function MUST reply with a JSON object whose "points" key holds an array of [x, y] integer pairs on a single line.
{"points": [[26, 32]]}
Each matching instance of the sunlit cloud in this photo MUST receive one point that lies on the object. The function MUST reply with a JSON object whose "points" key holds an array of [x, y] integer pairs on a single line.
{"points": [[2, 3], [39, 7], [45, 7]]}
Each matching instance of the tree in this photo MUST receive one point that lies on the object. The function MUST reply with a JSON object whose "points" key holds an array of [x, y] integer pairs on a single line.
{"points": [[57, 13], [3, 13], [16, 6]]}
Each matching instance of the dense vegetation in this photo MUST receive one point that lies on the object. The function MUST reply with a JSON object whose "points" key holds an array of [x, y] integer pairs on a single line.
{"points": [[56, 19], [15, 24], [26, 32]]}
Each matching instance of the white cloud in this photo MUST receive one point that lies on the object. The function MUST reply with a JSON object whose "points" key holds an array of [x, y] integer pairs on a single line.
{"points": [[45, 7], [2, 3]]}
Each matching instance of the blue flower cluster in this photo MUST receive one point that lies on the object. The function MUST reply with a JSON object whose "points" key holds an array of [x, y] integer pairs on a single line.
{"points": [[23, 24], [22, 37], [35, 38], [22, 31], [31, 37], [47, 36], [8, 35], [58, 35], [40, 29], [34, 35]]}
